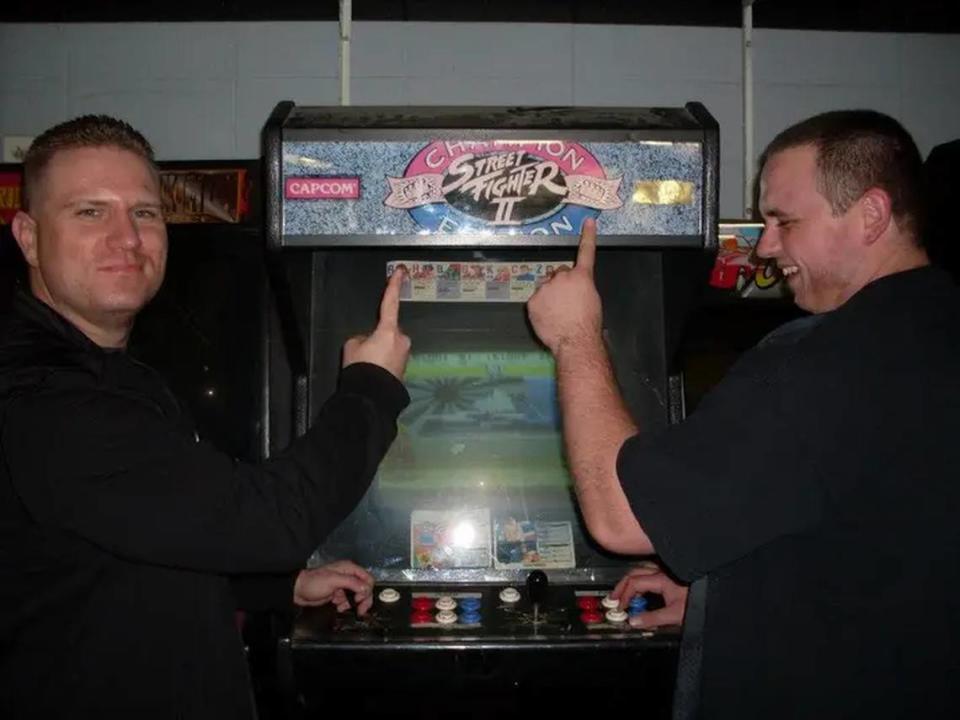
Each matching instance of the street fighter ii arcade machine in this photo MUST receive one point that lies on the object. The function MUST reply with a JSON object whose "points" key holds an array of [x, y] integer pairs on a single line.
{"points": [[488, 584]]}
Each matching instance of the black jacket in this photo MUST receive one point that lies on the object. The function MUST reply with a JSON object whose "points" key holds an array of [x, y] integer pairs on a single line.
{"points": [[120, 531]]}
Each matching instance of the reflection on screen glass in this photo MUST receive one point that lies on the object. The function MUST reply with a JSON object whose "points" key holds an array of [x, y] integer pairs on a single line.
{"points": [[476, 478], [478, 421]]}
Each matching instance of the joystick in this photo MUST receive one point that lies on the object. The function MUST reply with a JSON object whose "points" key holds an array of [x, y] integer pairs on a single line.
{"points": [[537, 585]]}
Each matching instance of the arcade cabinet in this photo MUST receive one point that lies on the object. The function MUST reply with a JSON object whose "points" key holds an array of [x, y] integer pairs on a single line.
{"points": [[204, 329], [940, 176], [13, 268], [489, 589]]}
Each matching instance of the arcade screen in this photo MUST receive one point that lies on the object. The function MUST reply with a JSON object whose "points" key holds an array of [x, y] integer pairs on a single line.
{"points": [[482, 421], [476, 478]]}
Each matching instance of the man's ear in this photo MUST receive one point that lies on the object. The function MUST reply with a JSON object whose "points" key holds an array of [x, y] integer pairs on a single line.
{"points": [[25, 231], [876, 214]]}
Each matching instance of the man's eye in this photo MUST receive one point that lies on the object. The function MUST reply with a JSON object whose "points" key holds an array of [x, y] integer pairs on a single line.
{"points": [[89, 212], [148, 214]]}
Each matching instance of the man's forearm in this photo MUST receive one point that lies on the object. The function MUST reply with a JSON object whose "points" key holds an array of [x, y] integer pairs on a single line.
{"points": [[596, 422]]}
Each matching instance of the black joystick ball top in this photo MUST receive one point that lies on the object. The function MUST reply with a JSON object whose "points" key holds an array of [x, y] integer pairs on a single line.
{"points": [[537, 584]]}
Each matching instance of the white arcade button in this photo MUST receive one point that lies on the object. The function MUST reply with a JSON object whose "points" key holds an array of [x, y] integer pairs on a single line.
{"points": [[617, 616], [609, 603], [446, 603], [446, 617], [510, 595], [389, 595]]}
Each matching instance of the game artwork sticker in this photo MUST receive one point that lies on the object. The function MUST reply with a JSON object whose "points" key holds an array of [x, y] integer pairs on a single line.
{"points": [[738, 270], [428, 281], [450, 539], [496, 185], [523, 544], [485, 189]]}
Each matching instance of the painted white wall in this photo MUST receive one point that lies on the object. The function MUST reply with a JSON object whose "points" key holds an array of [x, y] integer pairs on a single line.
{"points": [[204, 90]]}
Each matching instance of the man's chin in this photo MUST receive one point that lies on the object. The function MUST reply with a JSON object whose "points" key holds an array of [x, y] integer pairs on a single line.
{"points": [[123, 308], [131, 300]]}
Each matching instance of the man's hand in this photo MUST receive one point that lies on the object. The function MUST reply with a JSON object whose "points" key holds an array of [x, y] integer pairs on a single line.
{"points": [[649, 577], [566, 309], [386, 346], [330, 583]]}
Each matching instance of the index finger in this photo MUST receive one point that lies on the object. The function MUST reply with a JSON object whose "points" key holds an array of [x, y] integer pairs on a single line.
{"points": [[390, 304], [641, 584], [626, 579], [365, 605], [587, 252], [619, 587]]}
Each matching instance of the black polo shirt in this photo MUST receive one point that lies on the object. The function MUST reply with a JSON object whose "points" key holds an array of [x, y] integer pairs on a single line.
{"points": [[818, 489]]}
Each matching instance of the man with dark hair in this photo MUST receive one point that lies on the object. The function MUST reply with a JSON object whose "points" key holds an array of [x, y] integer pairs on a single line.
{"points": [[856, 151], [125, 543], [827, 548]]}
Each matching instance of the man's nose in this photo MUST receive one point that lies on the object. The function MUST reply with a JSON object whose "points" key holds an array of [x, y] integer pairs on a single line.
{"points": [[124, 231], [769, 243]]}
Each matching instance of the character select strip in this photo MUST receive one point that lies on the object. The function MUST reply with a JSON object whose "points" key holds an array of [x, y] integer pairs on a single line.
{"points": [[472, 281]]}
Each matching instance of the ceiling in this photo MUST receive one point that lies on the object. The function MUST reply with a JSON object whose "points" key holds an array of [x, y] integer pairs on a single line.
{"points": [[929, 16]]}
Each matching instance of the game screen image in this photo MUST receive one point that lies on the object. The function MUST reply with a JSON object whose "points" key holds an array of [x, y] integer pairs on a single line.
{"points": [[484, 421], [476, 477]]}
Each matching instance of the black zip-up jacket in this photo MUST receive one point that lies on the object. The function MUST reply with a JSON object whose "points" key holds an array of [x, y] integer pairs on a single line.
{"points": [[120, 532]]}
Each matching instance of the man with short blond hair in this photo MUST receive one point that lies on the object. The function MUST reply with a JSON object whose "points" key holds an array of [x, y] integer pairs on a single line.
{"points": [[126, 543]]}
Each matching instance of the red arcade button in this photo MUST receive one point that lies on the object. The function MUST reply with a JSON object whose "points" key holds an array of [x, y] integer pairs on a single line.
{"points": [[588, 602], [591, 617], [421, 618], [422, 603]]}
